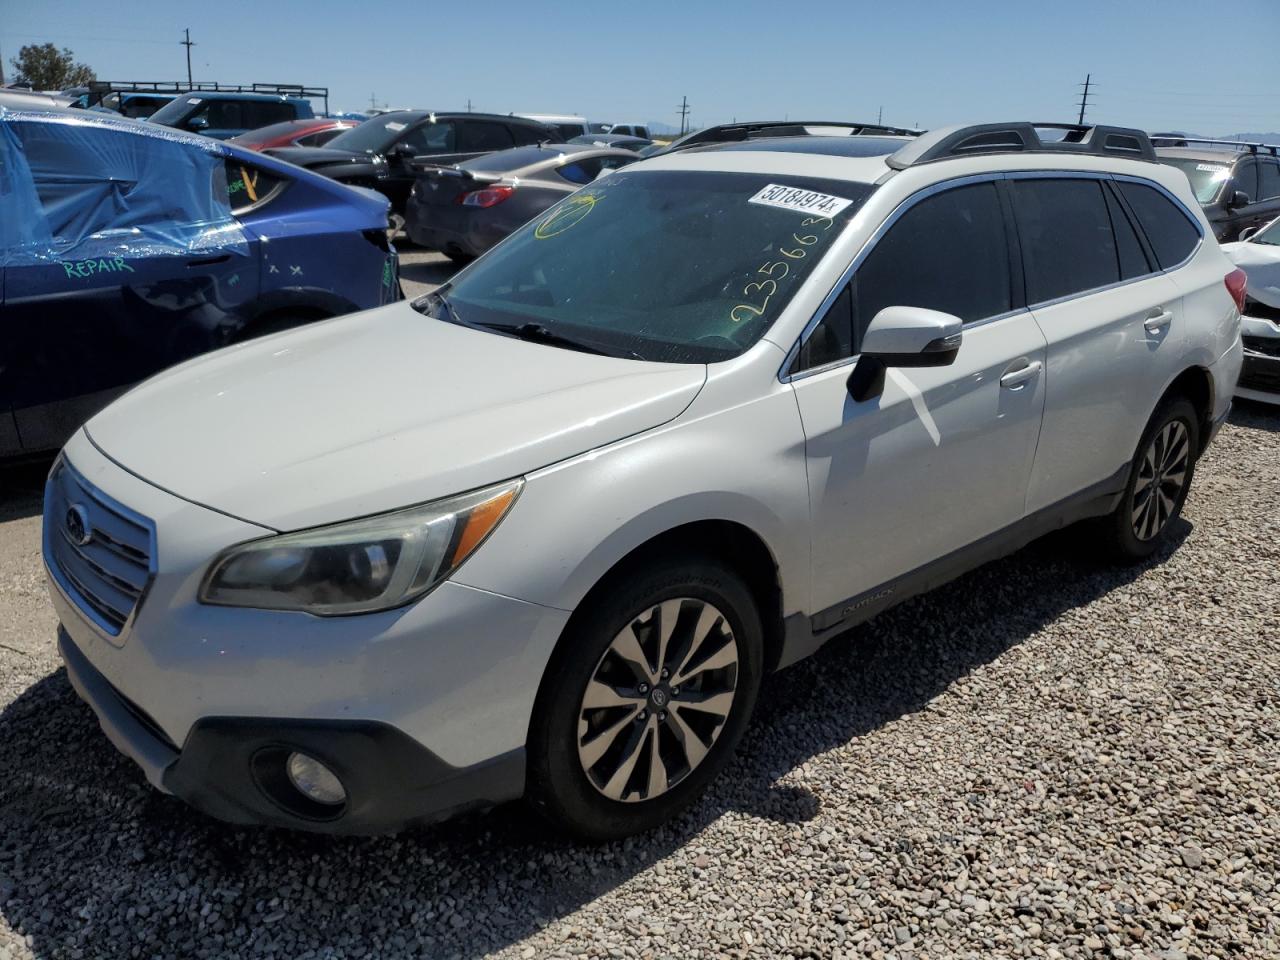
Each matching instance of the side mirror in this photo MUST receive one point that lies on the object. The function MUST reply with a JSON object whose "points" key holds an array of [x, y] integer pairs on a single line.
{"points": [[1238, 199], [198, 123], [903, 337], [1247, 233]]}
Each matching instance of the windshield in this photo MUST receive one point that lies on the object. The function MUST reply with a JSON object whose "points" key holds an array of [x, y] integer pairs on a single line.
{"points": [[677, 266], [176, 110], [376, 135], [1206, 177]]}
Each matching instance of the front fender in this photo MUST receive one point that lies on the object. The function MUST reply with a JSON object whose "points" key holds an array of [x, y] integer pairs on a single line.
{"points": [[574, 521]]}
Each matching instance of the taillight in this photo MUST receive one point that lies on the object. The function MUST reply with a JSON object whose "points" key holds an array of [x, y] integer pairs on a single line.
{"points": [[487, 197], [1237, 280]]}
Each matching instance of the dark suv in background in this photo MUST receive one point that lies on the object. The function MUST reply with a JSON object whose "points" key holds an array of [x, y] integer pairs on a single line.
{"points": [[223, 115], [1237, 184], [380, 152]]}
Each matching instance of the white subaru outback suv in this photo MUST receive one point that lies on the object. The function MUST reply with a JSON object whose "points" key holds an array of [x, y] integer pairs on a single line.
{"points": [[543, 532]]}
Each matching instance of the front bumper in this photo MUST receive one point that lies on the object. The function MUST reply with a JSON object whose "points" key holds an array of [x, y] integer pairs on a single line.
{"points": [[232, 768], [425, 708]]}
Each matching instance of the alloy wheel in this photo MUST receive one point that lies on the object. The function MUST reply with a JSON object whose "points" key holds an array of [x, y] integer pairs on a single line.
{"points": [[1161, 478], [657, 700]]}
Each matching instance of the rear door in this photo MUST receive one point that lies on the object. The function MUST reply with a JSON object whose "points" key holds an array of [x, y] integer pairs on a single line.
{"points": [[145, 268], [1113, 324]]}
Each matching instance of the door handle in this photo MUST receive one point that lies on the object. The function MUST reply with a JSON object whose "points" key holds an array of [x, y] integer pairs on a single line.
{"points": [[1017, 379], [209, 261], [1157, 321]]}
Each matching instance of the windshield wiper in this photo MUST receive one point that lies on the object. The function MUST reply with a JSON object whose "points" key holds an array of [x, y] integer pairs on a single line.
{"points": [[537, 333]]}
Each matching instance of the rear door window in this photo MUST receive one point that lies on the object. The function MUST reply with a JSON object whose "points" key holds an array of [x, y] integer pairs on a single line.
{"points": [[524, 136], [949, 252], [1065, 231], [263, 113], [484, 136], [1169, 231]]}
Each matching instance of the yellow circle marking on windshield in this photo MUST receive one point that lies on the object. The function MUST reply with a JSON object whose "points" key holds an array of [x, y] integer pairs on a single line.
{"points": [[574, 210]]}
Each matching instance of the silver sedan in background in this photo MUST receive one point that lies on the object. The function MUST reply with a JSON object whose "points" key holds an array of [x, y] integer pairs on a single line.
{"points": [[465, 209]]}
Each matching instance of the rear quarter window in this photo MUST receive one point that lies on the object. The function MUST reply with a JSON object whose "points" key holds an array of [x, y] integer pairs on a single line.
{"points": [[249, 187], [1172, 235]]}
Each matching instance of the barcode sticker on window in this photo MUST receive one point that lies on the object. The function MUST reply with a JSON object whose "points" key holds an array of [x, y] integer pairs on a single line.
{"points": [[800, 200]]}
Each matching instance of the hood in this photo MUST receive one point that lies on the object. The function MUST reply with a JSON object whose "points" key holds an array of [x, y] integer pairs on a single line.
{"points": [[1261, 263], [312, 157], [373, 412]]}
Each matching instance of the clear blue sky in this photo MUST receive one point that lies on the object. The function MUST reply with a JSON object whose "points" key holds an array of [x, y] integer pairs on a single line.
{"points": [[1159, 64]]}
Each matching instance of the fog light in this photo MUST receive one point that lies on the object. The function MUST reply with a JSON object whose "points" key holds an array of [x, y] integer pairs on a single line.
{"points": [[314, 780]]}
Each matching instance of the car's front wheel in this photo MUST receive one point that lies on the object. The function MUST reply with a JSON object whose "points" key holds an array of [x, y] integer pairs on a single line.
{"points": [[646, 699]]}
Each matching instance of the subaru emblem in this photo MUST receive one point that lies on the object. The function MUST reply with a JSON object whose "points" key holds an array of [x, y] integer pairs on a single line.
{"points": [[77, 525]]}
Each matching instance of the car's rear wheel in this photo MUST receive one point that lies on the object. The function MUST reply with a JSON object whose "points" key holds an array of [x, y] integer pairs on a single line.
{"points": [[646, 699], [1159, 481]]}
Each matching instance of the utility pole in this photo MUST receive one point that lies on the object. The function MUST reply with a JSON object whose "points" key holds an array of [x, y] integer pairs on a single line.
{"points": [[1084, 97], [684, 113], [879, 116], [468, 104], [373, 104], [188, 43]]}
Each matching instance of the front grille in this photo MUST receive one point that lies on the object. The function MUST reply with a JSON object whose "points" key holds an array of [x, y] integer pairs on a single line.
{"points": [[1260, 374], [102, 556]]}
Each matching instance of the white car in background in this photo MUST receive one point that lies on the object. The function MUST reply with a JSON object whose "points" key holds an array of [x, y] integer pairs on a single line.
{"points": [[1258, 255], [542, 532]]}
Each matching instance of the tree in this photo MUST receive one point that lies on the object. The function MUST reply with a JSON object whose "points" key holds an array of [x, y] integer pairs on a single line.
{"points": [[45, 67]]}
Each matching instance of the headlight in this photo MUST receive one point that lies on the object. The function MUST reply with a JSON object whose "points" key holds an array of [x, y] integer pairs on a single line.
{"points": [[360, 566]]}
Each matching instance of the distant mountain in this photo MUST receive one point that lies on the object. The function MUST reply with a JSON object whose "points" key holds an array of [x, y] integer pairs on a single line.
{"points": [[1253, 137], [662, 129]]}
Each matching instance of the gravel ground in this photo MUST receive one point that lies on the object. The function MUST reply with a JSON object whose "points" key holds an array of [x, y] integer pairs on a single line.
{"points": [[1045, 758]]}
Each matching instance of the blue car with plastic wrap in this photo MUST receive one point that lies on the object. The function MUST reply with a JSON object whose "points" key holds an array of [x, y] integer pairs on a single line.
{"points": [[126, 247]]}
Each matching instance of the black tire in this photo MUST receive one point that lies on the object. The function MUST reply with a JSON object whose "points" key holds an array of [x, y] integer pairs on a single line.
{"points": [[558, 785], [459, 258], [1123, 539]]}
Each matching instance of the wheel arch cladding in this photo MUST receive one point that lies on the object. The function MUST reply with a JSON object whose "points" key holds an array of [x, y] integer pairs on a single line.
{"points": [[1196, 384], [734, 544]]}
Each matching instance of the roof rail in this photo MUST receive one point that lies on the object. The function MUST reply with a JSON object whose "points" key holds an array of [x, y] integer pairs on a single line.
{"points": [[98, 89], [1178, 140], [735, 132], [947, 143]]}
